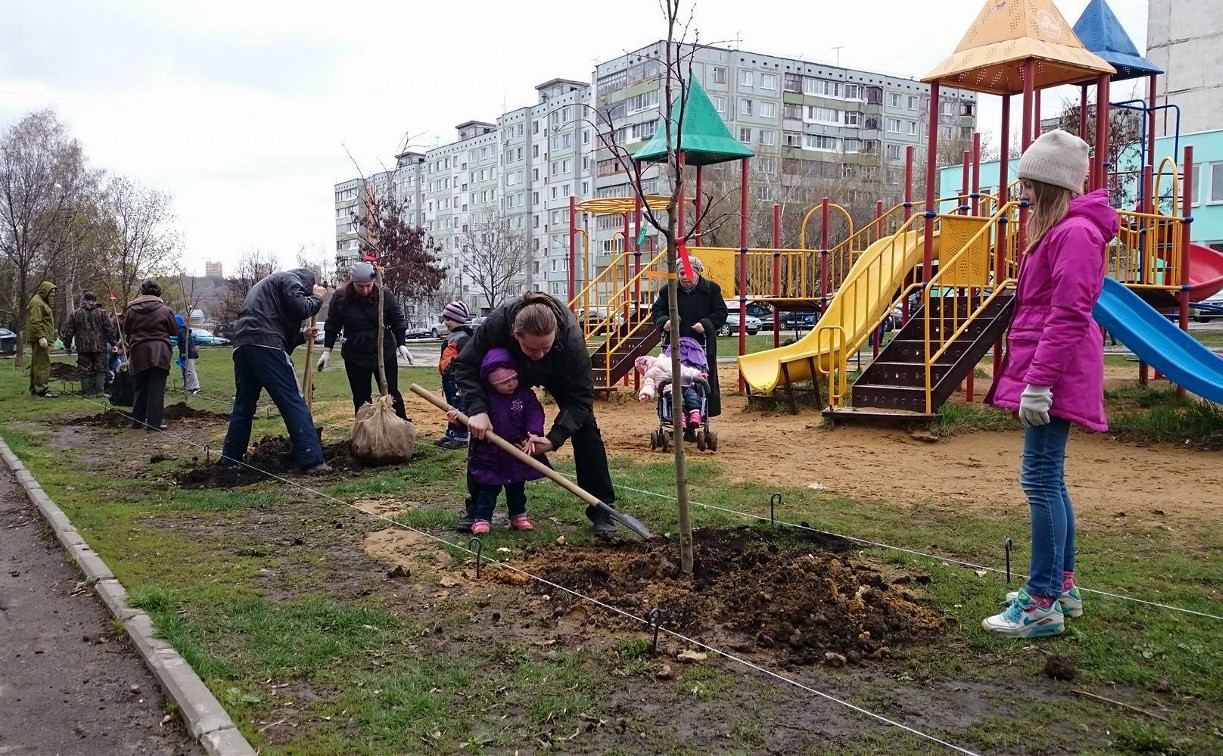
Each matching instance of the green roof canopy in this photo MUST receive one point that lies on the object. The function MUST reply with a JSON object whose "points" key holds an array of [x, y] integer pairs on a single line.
{"points": [[704, 140]]}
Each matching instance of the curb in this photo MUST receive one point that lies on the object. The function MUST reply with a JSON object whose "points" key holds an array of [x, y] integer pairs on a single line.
{"points": [[204, 716]]}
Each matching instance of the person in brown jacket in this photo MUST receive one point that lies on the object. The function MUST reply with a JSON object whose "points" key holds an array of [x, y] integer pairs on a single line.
{"points": [[151, 328]]}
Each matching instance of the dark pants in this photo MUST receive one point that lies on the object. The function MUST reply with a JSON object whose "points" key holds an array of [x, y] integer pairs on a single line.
{"points": [[450, 387], [486, 499], [257, 368], [361, 376], [92, 367], [590, 459], [150, 402]]}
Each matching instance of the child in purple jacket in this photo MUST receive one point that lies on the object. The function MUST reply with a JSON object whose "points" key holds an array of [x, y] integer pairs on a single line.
{"points": [[516, 416], [1053, 374]]}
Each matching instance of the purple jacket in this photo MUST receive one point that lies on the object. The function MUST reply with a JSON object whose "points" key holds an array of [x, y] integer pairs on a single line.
{"points": [[513, 417], [1053, 340]]}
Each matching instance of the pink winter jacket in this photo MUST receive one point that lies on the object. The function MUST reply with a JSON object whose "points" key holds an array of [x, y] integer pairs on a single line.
{"points": [[655, 370], [1053, 340]]}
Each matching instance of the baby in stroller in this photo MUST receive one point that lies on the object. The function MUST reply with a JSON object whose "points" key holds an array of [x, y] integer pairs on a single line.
{"points": [[656, 384]]}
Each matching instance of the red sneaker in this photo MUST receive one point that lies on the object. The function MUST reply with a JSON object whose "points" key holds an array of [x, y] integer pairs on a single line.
{"points": [[521, 522], [694, 419], [480, 527]]}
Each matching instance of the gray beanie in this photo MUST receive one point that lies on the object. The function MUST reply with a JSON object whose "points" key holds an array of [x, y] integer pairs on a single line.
{"points": [[1058, 158], [361, 272]]}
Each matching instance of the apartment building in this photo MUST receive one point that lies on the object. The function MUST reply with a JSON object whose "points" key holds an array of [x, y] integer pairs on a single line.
{"points": [[810, 124], [1185, 39], [354, 197]]}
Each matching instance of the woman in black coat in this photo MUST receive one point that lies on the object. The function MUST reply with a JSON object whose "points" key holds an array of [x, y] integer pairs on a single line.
{"points": [[354, 311], [702, 312], [149, 324]]}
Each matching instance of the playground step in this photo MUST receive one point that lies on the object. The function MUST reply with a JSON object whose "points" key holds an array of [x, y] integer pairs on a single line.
{"points": [[879, 415], [906, 373], [621, 358], [892, 397]]}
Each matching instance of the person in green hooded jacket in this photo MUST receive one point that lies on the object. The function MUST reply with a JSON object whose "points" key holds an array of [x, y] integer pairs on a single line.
{"points": [[40, 335]]}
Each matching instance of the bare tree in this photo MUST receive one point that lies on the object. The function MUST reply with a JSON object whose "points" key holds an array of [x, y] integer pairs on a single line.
{"points": [[677, 72], [253, 266], [137, 238], [43, 179], [495, 257], [1124, 148]]}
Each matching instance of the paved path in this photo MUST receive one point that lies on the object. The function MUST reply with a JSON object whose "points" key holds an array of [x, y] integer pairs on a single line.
{"points": [[69, 683]]}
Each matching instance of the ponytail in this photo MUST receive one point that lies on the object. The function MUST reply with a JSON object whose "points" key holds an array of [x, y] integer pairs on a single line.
{"points": [[536, 317]]}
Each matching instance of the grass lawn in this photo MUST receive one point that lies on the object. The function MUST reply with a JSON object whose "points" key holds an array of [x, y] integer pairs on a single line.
{"points": [[271, 595]]}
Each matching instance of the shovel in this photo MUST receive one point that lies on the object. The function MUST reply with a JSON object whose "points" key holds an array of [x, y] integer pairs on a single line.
{"points": [[308, 383], [628, 521]]}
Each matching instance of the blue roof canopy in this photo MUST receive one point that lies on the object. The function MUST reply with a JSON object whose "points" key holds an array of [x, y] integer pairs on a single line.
{"points": [[1101, 33]]}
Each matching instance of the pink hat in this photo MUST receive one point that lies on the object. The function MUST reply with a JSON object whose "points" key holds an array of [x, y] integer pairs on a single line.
{"points": [[502, 374]]}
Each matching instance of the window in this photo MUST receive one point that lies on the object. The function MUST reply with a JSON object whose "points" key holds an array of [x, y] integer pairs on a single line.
{"points": [[768, 137], [894, 125], [643, 101], [717, 75], [948, 107], [768, 110], [823, 115], [791, 110], [745, 106], [893, 152], [535, 150], [791, 139], [745, 135], [764, 192], [1216, 183], [585, 188], [912, 102], [852, 118], [767, 165], [794, 83], [719, 104], [893, 100], [820, 142], [745, 78], [768, 81], [853, 91], [852, 145]]}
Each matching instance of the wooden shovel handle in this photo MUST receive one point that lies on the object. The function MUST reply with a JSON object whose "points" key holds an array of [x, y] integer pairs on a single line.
{"points": [[307, 384], [514, 451]]}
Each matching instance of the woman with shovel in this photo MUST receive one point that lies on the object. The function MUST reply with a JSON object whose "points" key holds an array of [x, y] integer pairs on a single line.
{"points": [[354, 310]]}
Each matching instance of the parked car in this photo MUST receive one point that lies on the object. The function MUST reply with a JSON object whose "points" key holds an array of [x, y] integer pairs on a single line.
{"points": [[476, 322], [320, 336], [752, 325], [203, 337], [1208, 309], [797, 321], [8, 341]]}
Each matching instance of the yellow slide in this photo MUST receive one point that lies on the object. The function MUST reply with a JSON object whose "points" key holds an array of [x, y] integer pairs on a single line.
{"points": [[873, 281]]}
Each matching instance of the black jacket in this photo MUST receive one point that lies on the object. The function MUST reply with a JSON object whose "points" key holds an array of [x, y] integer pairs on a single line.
{"points": [[704, 305], [564, 372], [274, 309], [357, 316]]}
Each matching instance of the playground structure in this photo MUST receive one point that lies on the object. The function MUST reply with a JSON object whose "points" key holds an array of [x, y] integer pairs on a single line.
{"points": [[953, 274]]}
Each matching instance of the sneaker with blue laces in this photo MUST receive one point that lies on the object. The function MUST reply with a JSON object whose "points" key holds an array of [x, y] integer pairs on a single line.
{"points": [[1024, 618], [1071, 601]]}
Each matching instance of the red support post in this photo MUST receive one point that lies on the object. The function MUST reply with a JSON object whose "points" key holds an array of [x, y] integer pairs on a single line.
{"points": [[776, 275], [1083, 112], [965, 175], [879, 235], [636, 276], [1004, 181], [1187, 214], [908, 212], [931, 179], [624, 254], [573, 248], [1025, 136], [1152, 95], [976, 172], [1102, 131], [746, 165], [823, 251], [1036, 116], [696, 211]]}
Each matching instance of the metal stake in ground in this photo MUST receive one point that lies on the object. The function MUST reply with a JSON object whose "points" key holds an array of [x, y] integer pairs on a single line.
{"points": [[1006, 547], [630, 522]]}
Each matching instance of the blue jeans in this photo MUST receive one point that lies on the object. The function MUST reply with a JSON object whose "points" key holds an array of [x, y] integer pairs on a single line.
{"points": [[486, 499], [1042, 476], [692, 400], [257, 368], [454, 431]]}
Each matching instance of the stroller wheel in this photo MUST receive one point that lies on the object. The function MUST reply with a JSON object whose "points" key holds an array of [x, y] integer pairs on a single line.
{"points": [[711, 440], [653, 440], [700, 441], [666, 441]]}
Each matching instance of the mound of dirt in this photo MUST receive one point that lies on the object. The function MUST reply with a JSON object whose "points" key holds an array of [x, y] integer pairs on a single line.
{"points": [[178, 413], [64, 371], [271, 454], [805, 600]]}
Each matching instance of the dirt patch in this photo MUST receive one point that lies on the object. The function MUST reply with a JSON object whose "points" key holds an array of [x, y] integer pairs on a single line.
{"points": [[64, 371], [270, 454], [417, 556], [178, 413], [807, 601]]}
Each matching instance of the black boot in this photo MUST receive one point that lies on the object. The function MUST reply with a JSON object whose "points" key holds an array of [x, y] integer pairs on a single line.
{"points": [[469, 516]]}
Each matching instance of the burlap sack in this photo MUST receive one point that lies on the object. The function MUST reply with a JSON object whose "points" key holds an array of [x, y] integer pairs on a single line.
{"points": [[379, 436]]}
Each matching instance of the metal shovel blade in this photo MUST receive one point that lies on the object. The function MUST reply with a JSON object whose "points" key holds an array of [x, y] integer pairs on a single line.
{"points": [[627, 520]]}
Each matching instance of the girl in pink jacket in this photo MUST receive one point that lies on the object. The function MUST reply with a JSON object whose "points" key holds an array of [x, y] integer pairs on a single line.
{"points": [[1053, 373]]}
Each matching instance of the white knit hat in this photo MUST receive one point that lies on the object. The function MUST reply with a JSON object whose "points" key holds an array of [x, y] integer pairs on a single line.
{"points": [[1056, 157]]}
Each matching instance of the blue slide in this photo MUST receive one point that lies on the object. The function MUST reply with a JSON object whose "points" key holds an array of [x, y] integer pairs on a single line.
{"points": [[1159, 342]]}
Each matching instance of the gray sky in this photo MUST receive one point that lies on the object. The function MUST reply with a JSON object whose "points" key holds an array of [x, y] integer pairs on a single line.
{"points": [[242, 110]]}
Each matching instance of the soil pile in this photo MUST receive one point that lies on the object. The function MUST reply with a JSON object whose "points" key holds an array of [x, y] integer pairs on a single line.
{"points": [[179, 413], [63, 371], [804, 599], [271, 454]]}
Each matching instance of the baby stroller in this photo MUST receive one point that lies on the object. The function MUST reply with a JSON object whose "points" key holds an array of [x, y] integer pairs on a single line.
{"points": [[704, 436]]}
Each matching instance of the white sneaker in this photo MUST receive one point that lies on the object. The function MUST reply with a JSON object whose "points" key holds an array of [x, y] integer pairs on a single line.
{"points": [[1071, 600], [1026, 619]]}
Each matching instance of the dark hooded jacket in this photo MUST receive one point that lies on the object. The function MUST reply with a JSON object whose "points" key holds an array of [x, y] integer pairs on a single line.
{"points": [[273, 311], [357, 316], [92, 327], [150, 327], [704, 305], [564, 372], [514, 416]]}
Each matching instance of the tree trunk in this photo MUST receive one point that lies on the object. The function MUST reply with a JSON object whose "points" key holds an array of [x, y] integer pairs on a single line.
{"points": [[677, 401], [378, 295]]}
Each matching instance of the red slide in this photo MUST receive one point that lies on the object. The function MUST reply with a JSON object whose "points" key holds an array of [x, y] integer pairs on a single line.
{"points": [[1205, 272]]}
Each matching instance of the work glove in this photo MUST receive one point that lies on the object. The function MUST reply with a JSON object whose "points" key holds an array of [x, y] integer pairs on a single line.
{"points": [[405, 355], [42, 342], [323, 360], [1034, 405], [182, 363]]}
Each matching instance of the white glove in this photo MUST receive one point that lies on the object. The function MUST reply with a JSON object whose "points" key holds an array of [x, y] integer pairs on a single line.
{"points": [[405, 355], [322, 360], [1034, 405], [42, 342]]}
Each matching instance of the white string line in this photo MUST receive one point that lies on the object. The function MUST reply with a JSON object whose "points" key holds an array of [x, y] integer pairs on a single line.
{"points": [[590, 599], [914, 552]]}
